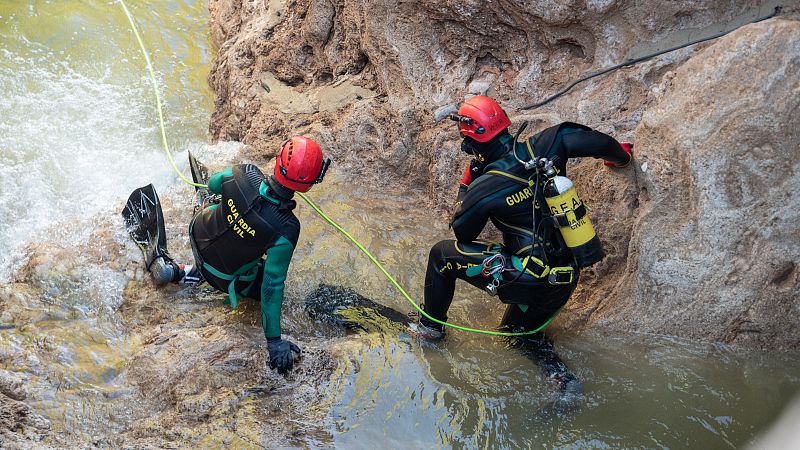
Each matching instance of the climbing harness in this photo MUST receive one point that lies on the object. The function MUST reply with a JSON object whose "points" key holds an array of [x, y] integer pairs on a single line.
{"points": [[493, 267], [314, 207]]}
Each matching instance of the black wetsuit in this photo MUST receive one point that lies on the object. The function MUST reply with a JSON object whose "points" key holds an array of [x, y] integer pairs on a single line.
{"points": [[229, 240], [501, 194]]}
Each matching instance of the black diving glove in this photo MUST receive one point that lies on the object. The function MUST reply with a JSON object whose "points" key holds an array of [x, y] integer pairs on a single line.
{"points": [[280, 354], [476, 168]]}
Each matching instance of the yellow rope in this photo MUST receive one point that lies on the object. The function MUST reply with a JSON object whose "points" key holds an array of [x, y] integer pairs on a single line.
{"points": [[155, 92]]}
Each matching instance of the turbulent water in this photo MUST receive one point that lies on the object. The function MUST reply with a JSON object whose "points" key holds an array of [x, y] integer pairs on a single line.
{"points": [[78, 131]]}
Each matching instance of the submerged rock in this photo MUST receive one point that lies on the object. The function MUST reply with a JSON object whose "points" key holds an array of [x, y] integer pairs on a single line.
{"points": [[343, 307], [19, 426]]}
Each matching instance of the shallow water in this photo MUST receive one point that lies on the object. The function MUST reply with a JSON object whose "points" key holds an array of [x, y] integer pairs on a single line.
{"points": [[78, 132]]}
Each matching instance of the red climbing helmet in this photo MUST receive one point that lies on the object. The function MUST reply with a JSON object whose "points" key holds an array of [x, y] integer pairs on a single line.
{"points": [[481, 118], [300, 164]]}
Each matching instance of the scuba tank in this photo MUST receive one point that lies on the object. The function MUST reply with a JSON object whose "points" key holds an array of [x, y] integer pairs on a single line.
{"points": [[573, 221]]}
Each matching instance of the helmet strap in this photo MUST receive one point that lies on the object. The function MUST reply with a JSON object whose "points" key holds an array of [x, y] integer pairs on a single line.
{"points": [[487, 152]]}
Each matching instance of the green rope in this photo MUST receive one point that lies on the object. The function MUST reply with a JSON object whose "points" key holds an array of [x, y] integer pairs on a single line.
{"points": [[310, 203], [403, 292]]}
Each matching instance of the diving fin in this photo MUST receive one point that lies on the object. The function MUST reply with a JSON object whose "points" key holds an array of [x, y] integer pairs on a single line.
{"points": [[145, 223], [199, 176]]}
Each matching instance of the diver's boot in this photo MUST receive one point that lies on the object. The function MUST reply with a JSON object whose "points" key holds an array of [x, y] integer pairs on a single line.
{"points": [[165, 271], [427, 329], [191, 275], [628, 147]]}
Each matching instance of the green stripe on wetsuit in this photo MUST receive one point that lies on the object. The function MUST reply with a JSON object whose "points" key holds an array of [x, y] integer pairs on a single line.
{"points": [[275, 267], [215, 182]]}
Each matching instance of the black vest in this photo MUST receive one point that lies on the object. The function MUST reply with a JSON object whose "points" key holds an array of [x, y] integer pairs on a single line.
{"points": [[242, 228]]}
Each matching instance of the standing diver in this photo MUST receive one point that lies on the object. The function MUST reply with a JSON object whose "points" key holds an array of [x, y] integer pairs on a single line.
{"points": [[536, 269], [243, 244]]}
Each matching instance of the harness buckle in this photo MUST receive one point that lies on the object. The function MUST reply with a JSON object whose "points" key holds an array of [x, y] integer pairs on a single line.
{"points": [[492, 287], [561, 275], [533, 266]]}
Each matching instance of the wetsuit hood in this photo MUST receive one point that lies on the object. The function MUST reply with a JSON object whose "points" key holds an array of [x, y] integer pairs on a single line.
{"points": [[281, 194], [278, 190], [490, 151]]}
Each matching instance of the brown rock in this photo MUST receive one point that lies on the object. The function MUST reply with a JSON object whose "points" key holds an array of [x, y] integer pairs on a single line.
{"points": [[715, 246], [688, 232]]}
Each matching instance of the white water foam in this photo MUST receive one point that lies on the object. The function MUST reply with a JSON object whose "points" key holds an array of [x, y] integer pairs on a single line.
{"points": [[70, 147]]}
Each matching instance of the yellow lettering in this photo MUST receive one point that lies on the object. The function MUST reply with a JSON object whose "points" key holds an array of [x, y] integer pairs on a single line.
{"points": [[238, 231], [577, 224], [519, 197]]}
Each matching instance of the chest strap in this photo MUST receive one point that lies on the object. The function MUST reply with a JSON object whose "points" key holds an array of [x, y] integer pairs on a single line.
{"points": [[570, 217]]}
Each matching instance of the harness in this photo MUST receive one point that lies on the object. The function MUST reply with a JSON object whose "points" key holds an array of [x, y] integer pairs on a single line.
{"points": [[495, 262], [246, 273]]}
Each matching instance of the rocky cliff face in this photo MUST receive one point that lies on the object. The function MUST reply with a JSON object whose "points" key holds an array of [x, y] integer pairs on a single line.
{"points": [[701, 232]]}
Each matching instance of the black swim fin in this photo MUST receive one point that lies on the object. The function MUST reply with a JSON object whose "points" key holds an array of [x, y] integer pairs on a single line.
{"points": [[145, 223], [199, 176]]}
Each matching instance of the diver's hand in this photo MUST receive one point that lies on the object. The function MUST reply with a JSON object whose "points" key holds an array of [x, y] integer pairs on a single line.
{"points": [[628, 148], [474, 170], [280, 354]]}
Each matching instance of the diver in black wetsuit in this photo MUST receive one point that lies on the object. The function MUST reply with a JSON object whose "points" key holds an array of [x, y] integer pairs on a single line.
{"points": [[495, 187]]}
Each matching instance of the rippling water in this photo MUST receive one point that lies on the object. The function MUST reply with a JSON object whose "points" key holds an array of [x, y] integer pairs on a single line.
{"points": [[78, 133]]}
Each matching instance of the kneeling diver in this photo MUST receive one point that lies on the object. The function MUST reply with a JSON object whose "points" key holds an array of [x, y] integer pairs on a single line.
{"points": [[242, 244], [547, 237]]}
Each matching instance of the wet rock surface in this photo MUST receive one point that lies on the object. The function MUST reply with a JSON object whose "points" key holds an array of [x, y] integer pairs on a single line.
{"points": [[20, 427], [715, 247], [420, 59], [172, 368]]}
